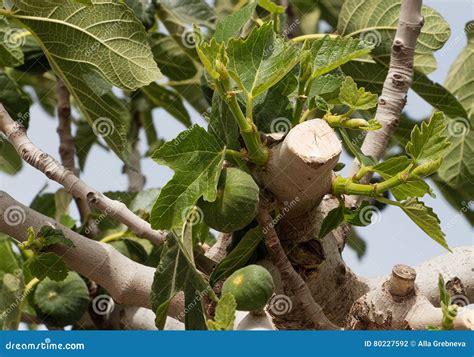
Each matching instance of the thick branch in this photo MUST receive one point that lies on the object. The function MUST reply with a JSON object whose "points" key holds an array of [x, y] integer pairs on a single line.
{"points": [[320, 262], [398, 81], [398, 304], [291, 280], [75, 186], [128, 282], [455, 267], [424, 314], [138, 318], [299, 172], [66, 141]]}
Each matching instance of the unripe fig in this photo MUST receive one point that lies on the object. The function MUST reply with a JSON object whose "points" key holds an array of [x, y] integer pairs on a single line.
{"points": [[61, 303], [251, 286], [236, 203]]}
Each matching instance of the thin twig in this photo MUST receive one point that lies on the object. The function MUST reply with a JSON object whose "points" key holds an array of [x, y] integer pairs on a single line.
{"points": [[136, 180], [290, 278], [66, 141], [74, 185]]}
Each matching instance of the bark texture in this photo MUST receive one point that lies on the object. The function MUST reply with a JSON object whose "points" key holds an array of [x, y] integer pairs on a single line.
{"points": [[331, 282], [136, 180], [127, 282], [66, 142], [457, 270], [299, 171], [398, 81], [398, 304], [75, 186], [138, 318], [292, 282]]}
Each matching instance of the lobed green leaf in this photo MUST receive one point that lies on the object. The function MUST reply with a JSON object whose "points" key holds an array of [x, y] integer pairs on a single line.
{"points": [[110, 48], [428, 142], [425, 218], [225, 314], [330, 53], [196, 149], [231, 26], [261, 60], [49, 265]]}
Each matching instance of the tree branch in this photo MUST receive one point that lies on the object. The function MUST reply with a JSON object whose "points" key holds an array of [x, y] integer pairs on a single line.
{"points": [[138, 318], [299, 170], [75, 186], [398, 304], [136, 180], [66, 141], [398, 81], [424, 314], [291, 280], [128, 282], [218, 251], [456, 266]]}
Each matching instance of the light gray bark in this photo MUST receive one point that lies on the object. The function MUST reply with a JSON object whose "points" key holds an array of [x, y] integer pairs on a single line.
{"points": [[291, 280], [75, 186], [332, 283], [397, 303], [136, 180], [299, 171], [127, 282], [138, 318], [458, 265], [398, 81]]}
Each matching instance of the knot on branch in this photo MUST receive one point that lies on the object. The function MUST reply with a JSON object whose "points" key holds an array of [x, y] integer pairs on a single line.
{"points": [[399, 80], [92, 198], [397, 46]]}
